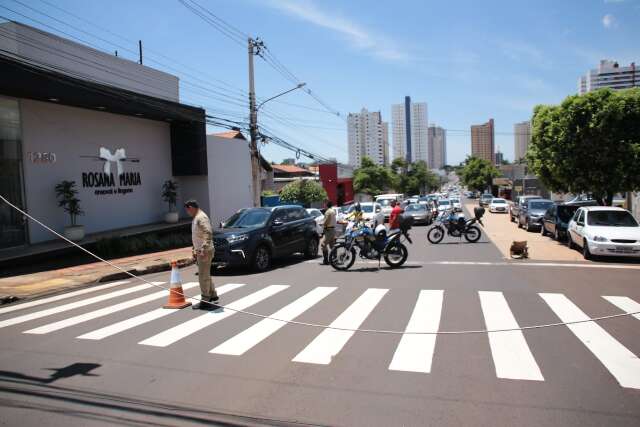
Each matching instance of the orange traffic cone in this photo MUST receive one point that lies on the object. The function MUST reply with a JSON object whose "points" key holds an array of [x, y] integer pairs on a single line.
{"points": [[176, 295]]}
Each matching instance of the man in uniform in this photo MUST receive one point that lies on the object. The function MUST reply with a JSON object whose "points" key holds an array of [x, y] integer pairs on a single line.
{"points": [[201, 235], [329, 232]]}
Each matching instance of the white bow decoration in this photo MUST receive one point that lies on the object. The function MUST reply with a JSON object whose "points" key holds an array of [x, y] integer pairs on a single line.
{"points": [[118, 156]]}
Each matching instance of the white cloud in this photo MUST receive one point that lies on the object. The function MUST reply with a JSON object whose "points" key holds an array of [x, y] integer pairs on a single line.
{"points": [[609, 21], [360, 38]]}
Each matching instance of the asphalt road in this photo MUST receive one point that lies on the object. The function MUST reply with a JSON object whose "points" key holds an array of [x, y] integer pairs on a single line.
{"points": [[163, 367]]}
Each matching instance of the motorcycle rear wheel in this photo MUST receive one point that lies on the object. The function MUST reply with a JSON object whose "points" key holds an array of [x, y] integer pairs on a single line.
{"points": [[341, 258], [472, 234], [396, 255], [435, 234]]}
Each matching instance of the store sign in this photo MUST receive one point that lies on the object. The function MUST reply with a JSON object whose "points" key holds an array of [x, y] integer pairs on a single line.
{"points": [[105, 181], [41, 157]]}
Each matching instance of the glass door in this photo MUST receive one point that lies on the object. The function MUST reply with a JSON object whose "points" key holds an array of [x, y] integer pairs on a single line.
{"points": [[12, 224]]}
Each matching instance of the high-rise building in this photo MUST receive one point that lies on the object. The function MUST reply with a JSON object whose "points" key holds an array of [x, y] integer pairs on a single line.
{"points": [[437, 147], [609, 74], [521, 139], [483, 141], [499, 157], [410, 130], [367, 136]]}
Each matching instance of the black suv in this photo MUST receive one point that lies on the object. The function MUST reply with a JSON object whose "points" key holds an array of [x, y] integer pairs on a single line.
{"points": [[255, 236]]}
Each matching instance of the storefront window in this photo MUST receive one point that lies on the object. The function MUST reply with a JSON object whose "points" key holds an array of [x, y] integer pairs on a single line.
{"points": [[12, 224]]}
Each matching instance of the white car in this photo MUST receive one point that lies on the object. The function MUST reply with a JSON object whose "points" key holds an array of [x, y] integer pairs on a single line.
{"points": [[371, 213], [318, 216], [443, 205], [385, 202], [455, 204], [498, 205], [604, 230]]}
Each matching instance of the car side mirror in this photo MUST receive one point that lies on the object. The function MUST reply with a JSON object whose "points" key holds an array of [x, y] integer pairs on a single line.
{"points": [[580, 222]]}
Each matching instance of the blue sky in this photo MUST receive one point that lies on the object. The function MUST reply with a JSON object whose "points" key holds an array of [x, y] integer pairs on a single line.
{"points": [[469, 60]]}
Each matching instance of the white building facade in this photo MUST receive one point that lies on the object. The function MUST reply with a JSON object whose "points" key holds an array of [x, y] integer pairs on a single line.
{"points": [[521, 139], [410, 128], [437, 147], [609, 74], [368, 136]]}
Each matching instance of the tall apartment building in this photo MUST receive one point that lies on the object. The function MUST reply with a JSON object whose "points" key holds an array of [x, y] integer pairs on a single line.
{"points": [[483, 141], [410, 130], [367, 136], [609, 74], [437, 147], [521, 139]]}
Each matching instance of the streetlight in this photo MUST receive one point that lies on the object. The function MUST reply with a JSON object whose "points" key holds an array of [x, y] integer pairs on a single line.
{"points": [[300, 85]]}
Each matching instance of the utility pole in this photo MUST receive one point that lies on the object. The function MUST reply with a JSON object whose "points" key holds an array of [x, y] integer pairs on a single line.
{"points": [[140, 51], [254, 49]]}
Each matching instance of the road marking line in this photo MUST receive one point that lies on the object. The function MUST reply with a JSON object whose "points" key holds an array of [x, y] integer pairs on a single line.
{"points": [[330, 341], [247, 339], [72, 305], [60, 297], [70, 321], [415, 352], [535, 264], [192, 326], [625, 304], [143, 318], [617, 359], [511, 354]]}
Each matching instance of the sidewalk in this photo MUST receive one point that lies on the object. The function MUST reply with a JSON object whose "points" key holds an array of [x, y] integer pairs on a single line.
{"points": [[502, 233], [47, 282]]}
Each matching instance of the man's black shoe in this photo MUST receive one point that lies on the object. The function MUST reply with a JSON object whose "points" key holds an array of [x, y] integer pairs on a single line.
{"points": [[204, 305]]}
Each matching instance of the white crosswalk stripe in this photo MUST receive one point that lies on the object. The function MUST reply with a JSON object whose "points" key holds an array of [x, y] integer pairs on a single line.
{"points": [[150, 316], [192, 326], [72, 305], [60, 297], [70, 321], [249, 338], [625, 304], [330, 341], [618, 359], [511, 354], [415, 352]]}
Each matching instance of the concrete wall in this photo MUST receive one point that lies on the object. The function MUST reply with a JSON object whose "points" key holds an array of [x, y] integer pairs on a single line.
{"points": [[77, 60], [75, 136], [229, 177]]}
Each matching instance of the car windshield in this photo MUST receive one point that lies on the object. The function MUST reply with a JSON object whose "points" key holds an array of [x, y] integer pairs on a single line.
{"points": [[315, 213], [566, 212], [540, 205], [416, 207], [365, 208], [499, 201], [455, 201], [384, 202], [443, 203], [611, 219], [248, 218]]}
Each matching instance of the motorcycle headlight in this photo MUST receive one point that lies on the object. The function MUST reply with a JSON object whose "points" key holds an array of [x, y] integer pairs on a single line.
{"points": [[236, 238], [600, 239]]}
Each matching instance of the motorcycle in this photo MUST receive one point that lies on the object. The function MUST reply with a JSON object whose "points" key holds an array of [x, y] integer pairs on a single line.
{"points": [[372, 244], [457, 226]]}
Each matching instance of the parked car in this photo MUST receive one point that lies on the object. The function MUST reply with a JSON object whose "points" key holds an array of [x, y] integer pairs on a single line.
{"points": [[604, 230], [255, 236], [385, 202], [516, 207], [556, 220], [531, 213], [485, 199], [455, 204], [421, 213], [318, 216], [498, 205]]}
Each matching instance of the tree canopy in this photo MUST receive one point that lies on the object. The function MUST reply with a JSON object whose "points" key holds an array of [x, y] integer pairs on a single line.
{"points": [[414, 178], [303, 191], [588, 144], [371, 179], [477, 174]]}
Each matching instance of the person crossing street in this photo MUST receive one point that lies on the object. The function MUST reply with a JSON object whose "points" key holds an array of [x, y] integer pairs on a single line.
{"points": [[201, 236], [328, 233]]}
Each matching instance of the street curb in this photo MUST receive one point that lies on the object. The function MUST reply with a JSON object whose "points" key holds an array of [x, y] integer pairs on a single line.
{"points": [[156, 268]]}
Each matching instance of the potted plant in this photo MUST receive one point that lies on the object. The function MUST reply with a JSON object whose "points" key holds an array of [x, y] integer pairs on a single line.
{"points": [[66, 193], [169, 195]]}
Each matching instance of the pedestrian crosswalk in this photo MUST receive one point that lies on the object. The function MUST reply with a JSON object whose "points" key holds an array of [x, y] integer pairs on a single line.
{"points": [[513, 356]]}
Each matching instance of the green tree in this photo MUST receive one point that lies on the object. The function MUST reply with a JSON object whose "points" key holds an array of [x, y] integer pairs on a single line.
{"points": [[289, 161], [303, 191], [372, 179], [477, 174], [589, 143]]}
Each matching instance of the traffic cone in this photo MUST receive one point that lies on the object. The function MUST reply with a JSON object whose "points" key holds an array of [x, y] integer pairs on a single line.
{"points": [[176, 295]]}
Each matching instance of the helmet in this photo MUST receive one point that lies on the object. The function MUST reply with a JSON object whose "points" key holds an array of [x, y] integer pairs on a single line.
{"points": [[381, 231], [357, 207]]}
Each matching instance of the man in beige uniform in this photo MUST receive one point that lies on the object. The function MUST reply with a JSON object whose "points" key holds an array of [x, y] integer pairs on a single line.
{"points": [[329, 232], [201, 235]]}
